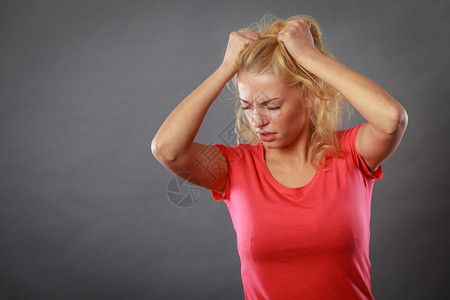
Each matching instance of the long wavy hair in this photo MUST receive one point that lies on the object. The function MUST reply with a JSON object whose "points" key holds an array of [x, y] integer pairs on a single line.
{"points": [[266, 54]]}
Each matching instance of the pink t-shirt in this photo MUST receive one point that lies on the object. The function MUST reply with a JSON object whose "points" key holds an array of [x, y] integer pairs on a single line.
{"points": [[310, 242]]}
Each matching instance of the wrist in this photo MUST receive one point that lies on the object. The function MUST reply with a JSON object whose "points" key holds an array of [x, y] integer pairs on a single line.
{"points": [[310, 58], [227, 69]]}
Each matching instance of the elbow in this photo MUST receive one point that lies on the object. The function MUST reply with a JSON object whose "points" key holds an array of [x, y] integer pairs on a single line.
{"points": [[399, 121], [155, 148], [403, 123], [161, 153]]}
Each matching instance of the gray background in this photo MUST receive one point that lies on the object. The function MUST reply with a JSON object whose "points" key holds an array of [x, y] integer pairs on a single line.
{"points": [[85, 85]]}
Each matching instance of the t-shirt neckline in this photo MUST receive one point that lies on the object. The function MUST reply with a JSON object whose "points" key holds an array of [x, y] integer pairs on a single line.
{"points": [[275, 183]]}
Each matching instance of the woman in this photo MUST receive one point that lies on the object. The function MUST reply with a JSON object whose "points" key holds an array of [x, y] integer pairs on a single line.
{"points": [[299, 191]]}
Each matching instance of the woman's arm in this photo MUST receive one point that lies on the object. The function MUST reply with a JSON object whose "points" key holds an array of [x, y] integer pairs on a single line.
{"points": [[387, 119], [173, 145], [178, 131]]}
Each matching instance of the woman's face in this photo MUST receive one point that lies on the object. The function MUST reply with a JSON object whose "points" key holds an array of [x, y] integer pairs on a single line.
{"points": [[275, 111]]}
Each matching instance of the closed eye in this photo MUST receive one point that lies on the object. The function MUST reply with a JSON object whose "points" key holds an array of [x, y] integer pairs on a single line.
{"points": [[271, 108]]}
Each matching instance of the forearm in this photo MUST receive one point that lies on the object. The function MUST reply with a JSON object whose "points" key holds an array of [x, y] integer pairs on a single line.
{"points": [[178, 131], [376, 106]]}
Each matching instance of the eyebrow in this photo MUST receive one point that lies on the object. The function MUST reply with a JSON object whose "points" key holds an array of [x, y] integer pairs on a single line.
{"points": [[264, 102]]}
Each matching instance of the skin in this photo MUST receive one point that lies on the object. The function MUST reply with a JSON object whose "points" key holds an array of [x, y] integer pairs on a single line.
{"points": [[286, 114], [386, 118], [174, 145]]}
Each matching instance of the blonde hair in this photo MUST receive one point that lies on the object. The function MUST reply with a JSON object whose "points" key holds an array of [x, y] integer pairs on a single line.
{"points": [[266, 54]]}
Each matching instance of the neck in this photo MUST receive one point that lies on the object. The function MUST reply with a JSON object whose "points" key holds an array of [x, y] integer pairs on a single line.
{"points": [[296, 152]]}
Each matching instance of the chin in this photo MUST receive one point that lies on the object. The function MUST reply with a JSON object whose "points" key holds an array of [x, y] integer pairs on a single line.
{"points": [[271, 145]]}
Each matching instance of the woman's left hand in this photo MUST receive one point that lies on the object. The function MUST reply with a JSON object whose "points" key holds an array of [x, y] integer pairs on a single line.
{"points": [[298, 40]]}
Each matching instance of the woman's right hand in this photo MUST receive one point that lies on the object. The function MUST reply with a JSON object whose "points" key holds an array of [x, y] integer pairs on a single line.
{"points": [[237, 41]]}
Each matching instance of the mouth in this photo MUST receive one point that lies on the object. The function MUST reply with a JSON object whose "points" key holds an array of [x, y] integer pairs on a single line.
{"points": [[266, 136]]}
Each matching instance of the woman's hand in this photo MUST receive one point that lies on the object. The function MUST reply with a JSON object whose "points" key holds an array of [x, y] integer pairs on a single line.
{"points": [[298, 40], [387, 119], [236, 43]]}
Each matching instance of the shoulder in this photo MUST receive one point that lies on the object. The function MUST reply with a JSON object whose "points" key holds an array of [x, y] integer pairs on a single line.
{"points": [[241, 161], [347, 139], [237, 152]]}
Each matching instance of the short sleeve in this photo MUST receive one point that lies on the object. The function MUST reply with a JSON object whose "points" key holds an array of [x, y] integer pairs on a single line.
{"points": [[347, 142], [216, 195]]}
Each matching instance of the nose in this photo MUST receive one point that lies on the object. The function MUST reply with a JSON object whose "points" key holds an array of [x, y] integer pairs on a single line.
{"points": [[259, 119]]}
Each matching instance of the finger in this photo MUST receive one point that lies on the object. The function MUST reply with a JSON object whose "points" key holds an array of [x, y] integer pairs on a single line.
{"points": [[283, 35], [253, 36], [280, 36], [250, 38], [305, 22]]}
